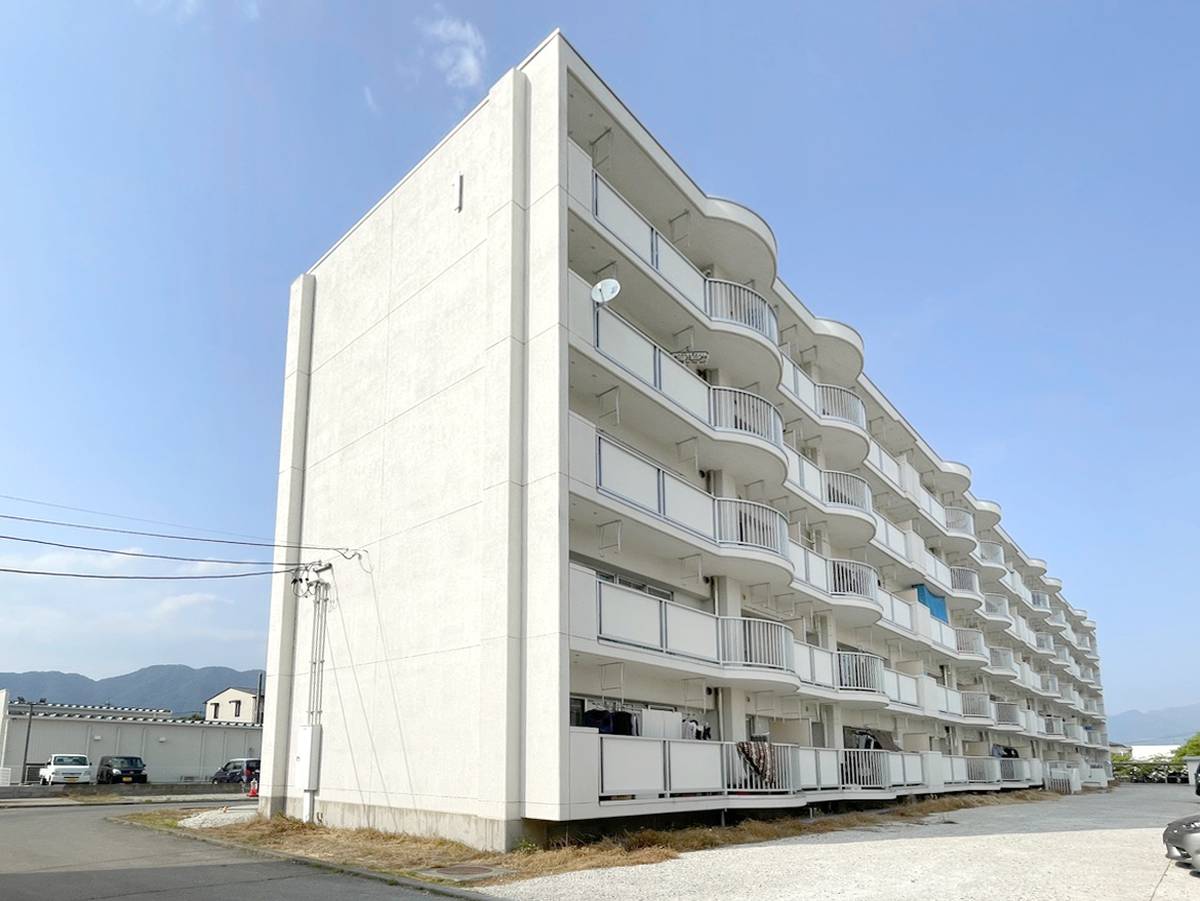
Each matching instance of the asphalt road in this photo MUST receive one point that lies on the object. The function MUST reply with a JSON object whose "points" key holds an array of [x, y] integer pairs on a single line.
{"points": [[73, 853]]}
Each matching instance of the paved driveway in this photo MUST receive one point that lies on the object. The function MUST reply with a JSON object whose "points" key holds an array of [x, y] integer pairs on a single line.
{"points": [[1094, 847], [73, 853]]}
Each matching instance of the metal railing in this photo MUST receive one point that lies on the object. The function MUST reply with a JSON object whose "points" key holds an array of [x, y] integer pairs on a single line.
{"points": [[977, 704], [745, 641], [1009, 714], [983, 769], [731, 302], [1049, 683], [842, 403], [860, 672], [850, 577], [970, 641], [751, 524], [960, 521], [864, 769], [733, 409], [1039, 600], [963, 579], [846, 489], [775, 774], [1043, 641]]}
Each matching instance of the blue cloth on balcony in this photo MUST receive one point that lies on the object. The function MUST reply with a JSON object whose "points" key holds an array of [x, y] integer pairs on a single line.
{"points": [[935, 602]]}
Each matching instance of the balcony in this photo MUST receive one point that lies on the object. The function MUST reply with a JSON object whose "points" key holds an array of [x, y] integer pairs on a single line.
{"points": [[1044, 642], [860, 672], [750, 524], [1003, 661], [977, 704], [970, 643], [901, 688], [1009, 714], [1049, 684], [965, 581], [1052, 726], [996, 612], [1015, 769], [841, 404], [844, 489], [1039, 601], [991, 555], [960, 522]]}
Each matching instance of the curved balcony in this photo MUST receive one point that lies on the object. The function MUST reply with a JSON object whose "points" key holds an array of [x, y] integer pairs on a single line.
{"points": [[860, 672], [842, 404], [1040, 602], [750, 524], [735, 410], [761, 643], [995, 612], [991, 558], [964, 586], [960, 521], [1043, 643], [730, 302], [1002, 662], [854, 579], [970, 643], [844, 489]]}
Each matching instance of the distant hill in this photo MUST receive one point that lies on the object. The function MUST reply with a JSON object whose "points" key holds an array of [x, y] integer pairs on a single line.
{"points": [[1168, 726], [183, 689]]}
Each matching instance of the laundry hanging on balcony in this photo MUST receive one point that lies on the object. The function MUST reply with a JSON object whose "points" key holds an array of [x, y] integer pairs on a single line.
{"points": [[757, 757]]}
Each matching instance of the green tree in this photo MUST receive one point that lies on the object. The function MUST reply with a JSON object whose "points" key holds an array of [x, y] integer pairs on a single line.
{"points": [[1190, 748]]}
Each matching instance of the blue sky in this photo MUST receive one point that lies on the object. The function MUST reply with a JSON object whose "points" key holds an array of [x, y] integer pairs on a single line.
{"points": [[1001, 197]]}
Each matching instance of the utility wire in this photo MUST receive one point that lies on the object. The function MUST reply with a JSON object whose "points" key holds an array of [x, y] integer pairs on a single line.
{"points": [[345, 552], [156, 522], [137, 578], [104, 550]]}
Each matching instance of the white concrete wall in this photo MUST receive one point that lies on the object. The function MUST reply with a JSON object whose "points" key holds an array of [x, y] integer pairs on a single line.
{"points": [[227, 711], [423, 416], [173, 752]]}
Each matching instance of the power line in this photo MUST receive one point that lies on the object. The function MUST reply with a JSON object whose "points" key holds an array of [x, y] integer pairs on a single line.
{"points": [[76, 525], [157, 522], [139, 578], [104, 550]]}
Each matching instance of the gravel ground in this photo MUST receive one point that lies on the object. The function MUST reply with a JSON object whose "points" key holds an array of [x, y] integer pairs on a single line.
{"points": [[1093, 847], [222, 816]]}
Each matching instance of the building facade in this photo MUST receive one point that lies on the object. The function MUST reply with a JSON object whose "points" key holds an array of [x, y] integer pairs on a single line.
{"points": [[670, 552], [233, 705]]}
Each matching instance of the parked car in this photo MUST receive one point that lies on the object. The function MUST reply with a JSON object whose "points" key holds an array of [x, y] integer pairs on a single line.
{"points": [[120, 769], [1182, 838], [68, 769], [240, 769]]}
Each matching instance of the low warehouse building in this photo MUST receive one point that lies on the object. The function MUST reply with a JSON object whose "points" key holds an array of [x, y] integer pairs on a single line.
{"points": [[174, 749]]}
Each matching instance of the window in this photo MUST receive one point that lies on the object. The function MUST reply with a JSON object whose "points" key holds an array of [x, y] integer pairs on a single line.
{"points": [[237, 709], [216, 715]]}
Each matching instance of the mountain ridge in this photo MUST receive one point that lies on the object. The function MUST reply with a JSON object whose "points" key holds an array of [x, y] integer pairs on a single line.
{"points": [[181, 688], [1165, 726]]}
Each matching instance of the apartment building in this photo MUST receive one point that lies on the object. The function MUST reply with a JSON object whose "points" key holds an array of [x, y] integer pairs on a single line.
{"points": [[665, 551]]}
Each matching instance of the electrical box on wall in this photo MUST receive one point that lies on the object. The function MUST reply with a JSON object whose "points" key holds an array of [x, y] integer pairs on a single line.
{"points": [[306, 757]]}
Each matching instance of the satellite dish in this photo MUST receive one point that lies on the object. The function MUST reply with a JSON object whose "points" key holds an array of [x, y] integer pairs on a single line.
{"points": [[605, 290]]}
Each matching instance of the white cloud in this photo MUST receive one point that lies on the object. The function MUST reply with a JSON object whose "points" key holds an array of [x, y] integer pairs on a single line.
{"points": [[459, 50], [250, 10], [369, 100], [186, 10]]}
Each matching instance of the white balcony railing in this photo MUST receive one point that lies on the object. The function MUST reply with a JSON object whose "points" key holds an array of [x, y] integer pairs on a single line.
{"points": [[960, 521], [970, 641], [1043, 641], [1039, 600], [735, 410], [841, 403], [983, 769], [1009, 714], [1049, 683], [963, 579], [752, 642], [1014, 769], [850, 577], [739, 304], [846, 490], [976, 704], [751, 524], [860, 672]]}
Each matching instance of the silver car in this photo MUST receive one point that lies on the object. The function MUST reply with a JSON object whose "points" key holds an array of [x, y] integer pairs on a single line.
{"points": [[1182, 838]]}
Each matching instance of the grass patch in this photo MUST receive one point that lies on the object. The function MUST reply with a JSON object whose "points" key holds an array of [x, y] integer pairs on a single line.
{"points": [[401, 855]]}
